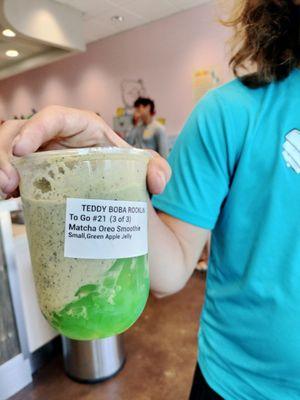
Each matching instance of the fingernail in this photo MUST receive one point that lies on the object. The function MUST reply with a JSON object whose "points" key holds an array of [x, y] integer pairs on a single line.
{"points": [[162, 179]]}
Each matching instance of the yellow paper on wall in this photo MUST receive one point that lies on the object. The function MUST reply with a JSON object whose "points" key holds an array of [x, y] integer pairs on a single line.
{"points": [[203, 81]]}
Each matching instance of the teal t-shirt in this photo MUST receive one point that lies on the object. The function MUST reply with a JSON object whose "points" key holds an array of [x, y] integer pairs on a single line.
{"points": [[236, 171]]}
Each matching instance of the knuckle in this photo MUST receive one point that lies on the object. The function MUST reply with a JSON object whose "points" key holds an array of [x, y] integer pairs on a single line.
{"points": [[51, 109]]}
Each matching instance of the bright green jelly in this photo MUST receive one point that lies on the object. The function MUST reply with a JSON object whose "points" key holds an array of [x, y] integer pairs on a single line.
{"points": [[109, 307]]}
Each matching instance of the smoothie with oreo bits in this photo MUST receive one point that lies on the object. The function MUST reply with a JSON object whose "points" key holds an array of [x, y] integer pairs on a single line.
{"points": [[86, 220]]}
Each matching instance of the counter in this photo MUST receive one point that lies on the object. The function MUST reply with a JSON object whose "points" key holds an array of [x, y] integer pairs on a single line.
{"points": [[23, 330]]}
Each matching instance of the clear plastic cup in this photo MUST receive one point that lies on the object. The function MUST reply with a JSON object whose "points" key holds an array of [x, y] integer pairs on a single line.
{"points": [[86, 219]]}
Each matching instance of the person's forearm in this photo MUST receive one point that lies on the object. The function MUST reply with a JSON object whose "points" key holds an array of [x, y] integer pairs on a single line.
{"points": [[170, 264]]}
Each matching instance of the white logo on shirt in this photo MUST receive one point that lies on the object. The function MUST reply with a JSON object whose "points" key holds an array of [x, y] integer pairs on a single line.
{"points": [[291, 150]]}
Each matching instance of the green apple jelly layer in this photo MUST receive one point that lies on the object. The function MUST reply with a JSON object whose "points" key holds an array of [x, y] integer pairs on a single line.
{"points": [[108, 308]]}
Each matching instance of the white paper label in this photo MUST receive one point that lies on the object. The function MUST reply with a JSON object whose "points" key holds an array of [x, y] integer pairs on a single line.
{"points": [[105, 229]]}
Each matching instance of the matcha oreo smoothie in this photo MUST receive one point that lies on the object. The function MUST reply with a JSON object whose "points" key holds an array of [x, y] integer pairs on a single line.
{"points": [[86, 220]]}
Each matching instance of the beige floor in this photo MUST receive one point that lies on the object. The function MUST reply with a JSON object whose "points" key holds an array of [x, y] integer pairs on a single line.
{"points": [[161, 355]]}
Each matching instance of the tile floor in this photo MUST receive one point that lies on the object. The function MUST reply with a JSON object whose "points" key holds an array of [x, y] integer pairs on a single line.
{"points": [[161, 355]]}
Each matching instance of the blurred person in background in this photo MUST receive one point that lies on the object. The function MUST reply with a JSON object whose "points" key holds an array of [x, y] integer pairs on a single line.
{"points": [[147, 133]]}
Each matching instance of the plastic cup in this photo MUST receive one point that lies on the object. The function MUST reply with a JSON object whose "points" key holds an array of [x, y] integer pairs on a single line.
{"points": [[86, 220]]}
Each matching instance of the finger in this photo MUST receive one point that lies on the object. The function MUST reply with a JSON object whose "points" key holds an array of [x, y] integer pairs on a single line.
{"points": [[9, 177], [67, 126], [45, 126], [158, 174]]}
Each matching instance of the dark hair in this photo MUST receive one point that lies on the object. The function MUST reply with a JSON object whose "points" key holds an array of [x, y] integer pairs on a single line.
{"points": [[144, 101], [266, 40]]}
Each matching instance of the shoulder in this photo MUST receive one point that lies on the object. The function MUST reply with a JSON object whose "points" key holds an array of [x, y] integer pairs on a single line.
{"points": [[237, 95], [232, 104], [234, 95], [224, 113], [157, 126]]}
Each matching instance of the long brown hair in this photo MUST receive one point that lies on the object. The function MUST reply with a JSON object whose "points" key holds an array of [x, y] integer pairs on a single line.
{"points": [[266, 40]]}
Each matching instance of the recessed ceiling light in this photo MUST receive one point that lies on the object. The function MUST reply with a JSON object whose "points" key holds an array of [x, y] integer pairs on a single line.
{"points": [[8, 33], [12, 53], [117, 18]]}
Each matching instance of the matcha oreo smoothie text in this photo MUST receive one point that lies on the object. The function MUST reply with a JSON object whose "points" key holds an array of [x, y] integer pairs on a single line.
{"points": [[108, 226]]}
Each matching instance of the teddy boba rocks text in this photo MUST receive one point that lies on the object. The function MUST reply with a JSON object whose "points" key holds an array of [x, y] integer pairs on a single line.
{"points": [[105, 228]]}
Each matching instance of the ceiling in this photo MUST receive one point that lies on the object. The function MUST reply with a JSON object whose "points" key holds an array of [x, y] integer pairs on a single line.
{"points": [[98, 14], [98, 22], [26, 47]]}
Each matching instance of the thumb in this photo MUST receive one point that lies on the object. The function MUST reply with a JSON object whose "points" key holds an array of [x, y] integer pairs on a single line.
{"points": [[158, 174]]}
